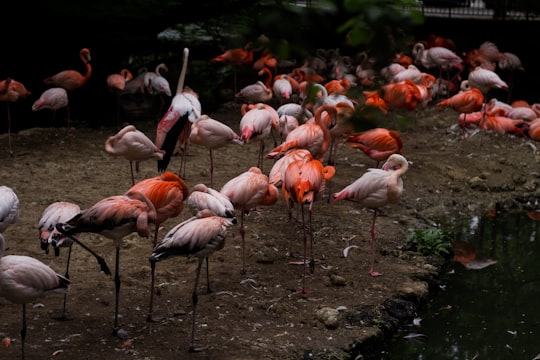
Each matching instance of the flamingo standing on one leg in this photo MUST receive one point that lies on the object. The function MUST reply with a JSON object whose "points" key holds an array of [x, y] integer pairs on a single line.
{"points": [[24, 279], [11, 91], [57, 212], [304, 182], [167, 193], [113, 217], [204, 197], [72, 79], [185, 109], [116, 83], [133, 145], [256, 125], [375, 189], [53, 99], [246, 191], [199, 236], [212, 134]]}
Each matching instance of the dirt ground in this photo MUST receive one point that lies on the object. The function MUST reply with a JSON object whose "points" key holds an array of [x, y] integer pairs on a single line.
{"points": [[257, 315]]}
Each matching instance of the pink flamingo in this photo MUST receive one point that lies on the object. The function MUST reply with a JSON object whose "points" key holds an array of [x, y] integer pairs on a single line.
{"points": [[304, 183], [116, 84], [375, 189], [57, 212], [113, 217], [278, 169], [246, 191], [185, 109], [133, 145], [167, 193], [212, 134], [204, 197], [9, 207], [53, 99], [256, 125], [199, 236], [24, 279]]}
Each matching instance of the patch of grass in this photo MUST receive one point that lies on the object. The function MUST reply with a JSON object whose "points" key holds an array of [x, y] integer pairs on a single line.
{"points": [[430, 241]]}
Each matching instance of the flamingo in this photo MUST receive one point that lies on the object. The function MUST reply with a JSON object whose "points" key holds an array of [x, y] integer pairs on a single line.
{"points": [[72, 79], [157, 85], [256, 125], [56, 212], [133, 145], [278, 169], [377, 143], [23, 279], [199, 236], [304, 183], [11, 91], [54, 99], [113, 217], [9, 207], [204, 197], [484, 80], [438, 57], [464, 102], [257, 92], [167, 192], [375, 189], [235, 57], [313, 136], [116, 83], [212, 134], [185, 109], [246, 191]]}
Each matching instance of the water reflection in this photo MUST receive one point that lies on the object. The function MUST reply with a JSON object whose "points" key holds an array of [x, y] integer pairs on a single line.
{"points": [[488, 313]]}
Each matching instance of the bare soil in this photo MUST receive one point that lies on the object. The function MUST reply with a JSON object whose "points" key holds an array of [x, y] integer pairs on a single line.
{"points": [[257, 315]]}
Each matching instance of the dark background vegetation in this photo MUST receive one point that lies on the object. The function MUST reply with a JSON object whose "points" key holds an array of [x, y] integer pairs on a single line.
{"points": [[124, 34]]}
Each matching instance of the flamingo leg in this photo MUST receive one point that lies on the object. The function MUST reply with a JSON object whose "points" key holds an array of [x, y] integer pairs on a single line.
{"points": [[304, 290], [101, 261], [211, 169], [243, 233], [312, 239], [151, 317], [9, 131], [371, 271], [116, 290], [132, 174], [195, 301], [23, 330], [64, 316]]}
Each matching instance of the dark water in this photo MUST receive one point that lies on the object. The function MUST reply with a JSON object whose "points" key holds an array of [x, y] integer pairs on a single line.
{"points": [[487, 313]]}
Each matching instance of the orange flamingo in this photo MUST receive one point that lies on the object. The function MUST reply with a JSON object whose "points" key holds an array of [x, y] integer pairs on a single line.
{"points": [[304, 182], [314, 137], [53, 99], [199, 236], [72, 79], [24, 279], [212, 134], [276, 173], [11, 91], [377, 143], [133, 145], [113, 217], [167, 193], [235, 57], [59, 211], [464, 102], [246, 191], [185, 109], [375, 189]]}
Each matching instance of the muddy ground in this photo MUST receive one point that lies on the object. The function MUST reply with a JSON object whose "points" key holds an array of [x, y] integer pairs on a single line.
{"points": [[257, 315]]}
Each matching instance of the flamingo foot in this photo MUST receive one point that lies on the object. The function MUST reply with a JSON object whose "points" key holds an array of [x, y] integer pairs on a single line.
{"points": [[193, 348], [152, 318], [375, 273], [303, 291]]}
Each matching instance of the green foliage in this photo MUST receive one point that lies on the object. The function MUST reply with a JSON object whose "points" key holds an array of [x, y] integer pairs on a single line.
{"points": [[430, 241]]}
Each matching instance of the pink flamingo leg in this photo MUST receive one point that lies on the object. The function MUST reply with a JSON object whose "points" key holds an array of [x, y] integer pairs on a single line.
{"points": [[371, 271]]}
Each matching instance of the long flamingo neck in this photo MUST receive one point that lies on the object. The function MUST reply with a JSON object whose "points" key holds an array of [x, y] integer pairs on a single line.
{"points": [[182, 78]]}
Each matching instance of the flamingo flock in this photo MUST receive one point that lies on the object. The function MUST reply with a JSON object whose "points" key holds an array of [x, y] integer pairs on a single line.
{"points": [[310, 112]]}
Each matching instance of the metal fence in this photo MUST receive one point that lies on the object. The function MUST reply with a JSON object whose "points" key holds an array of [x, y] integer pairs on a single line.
{"points": [[478, 9]]}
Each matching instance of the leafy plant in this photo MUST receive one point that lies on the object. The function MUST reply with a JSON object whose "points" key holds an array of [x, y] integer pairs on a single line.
{"points": [[430, 241]]}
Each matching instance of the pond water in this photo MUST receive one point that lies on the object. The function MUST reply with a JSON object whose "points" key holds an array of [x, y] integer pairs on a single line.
{"points": [[487, 306]]}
